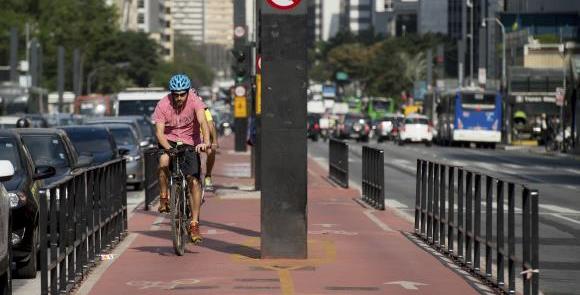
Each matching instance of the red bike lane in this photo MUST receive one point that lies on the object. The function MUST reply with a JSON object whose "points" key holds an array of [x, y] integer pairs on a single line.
{"points": [[352, 249]]}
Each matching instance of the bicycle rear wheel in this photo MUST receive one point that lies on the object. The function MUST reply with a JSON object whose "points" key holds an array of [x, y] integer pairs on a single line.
{"points": [[177, 229]]}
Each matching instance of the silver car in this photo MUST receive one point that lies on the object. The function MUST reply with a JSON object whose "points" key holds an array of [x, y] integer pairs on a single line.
{"points": [[6, 172], [128, 143]]}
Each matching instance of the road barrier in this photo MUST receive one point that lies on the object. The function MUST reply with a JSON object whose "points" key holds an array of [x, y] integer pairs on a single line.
{"points": [[82, 217], [448, 215], [338, 162], [151, 158], [373, 177]]}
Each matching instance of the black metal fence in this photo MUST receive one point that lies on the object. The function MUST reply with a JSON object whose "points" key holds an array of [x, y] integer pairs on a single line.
{"points": [[151, 159], [81, 217], [448, 215], [373, 177], [338, 162]]}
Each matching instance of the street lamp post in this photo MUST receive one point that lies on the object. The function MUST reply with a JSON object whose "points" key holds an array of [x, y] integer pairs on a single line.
{"points": [[507, 126], [503, 60], [470, 5]]}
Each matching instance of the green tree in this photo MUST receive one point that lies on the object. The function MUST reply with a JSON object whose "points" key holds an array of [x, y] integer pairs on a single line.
{"points": [[92, 27], [187, 59]]}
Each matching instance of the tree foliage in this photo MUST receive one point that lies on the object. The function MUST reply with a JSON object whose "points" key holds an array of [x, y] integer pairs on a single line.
{"points": [[92, 27], [187, 59], [383, 67]]}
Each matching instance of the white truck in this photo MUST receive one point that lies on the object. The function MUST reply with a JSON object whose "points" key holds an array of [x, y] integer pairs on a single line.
{"points": [[138, 101]]}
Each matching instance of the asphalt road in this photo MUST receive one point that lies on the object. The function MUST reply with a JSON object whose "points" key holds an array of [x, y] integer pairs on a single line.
{"points": [[557, 177]]}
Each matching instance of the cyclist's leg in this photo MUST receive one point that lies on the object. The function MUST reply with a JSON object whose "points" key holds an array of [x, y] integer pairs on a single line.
{"points": [[192, 168], [164, 183], [209, 163]]}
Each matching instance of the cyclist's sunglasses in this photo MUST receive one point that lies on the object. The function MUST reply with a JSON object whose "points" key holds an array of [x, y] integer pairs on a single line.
{"points": [[179, 93]]}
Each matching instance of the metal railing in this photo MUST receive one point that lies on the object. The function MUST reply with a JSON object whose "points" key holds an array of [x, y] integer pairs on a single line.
{"points": [[82, 217], [448, 215], [373, 177], [338, 162], [151, 159]]}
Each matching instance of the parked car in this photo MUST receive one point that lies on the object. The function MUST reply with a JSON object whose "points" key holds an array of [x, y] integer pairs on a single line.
{"points": [[8, 121], [313, 126], [52, 147], [95, 141], [6, 172], [36, 120], [416, 128], [144, 129], [126, 138], [23, 191], [354, 126], [63, 119]]}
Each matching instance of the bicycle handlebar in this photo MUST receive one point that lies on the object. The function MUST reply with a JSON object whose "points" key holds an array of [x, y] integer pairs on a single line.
{"points": [[178, 150]]}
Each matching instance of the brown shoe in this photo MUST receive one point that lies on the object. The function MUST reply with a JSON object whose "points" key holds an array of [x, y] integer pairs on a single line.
{"points": [[196, 237], [163, 205]]}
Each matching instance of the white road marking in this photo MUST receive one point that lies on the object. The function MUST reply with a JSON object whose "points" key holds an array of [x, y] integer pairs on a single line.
{"points": [[408, 285], [378, 222], [395, 204], [326, 225], [573, 171], [566, 218], [558, 209], [157, 223]]}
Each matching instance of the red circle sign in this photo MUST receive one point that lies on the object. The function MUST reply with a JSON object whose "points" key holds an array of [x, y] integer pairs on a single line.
{"points": [[259, 63], [284, 4]]}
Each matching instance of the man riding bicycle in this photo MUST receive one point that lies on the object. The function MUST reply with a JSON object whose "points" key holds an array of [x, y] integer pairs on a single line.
{"points": [[179, 117]]}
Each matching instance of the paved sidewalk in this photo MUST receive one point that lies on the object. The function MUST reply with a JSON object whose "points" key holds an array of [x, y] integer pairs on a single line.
{"points": [[352, 249]]}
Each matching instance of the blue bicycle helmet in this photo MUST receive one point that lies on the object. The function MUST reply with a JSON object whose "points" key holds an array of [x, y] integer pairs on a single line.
{"points": [[179, 82]]}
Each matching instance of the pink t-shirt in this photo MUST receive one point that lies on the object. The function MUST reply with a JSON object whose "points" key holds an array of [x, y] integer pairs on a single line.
{"points": [[182, 126]]}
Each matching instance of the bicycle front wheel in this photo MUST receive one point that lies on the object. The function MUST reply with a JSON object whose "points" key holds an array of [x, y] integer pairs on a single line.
{"points": [[177, 229]]}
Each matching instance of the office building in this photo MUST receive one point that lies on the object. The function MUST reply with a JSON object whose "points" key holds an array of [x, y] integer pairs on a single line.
{"points": [[219, 22], [188, 19], [427, 23], [149, 16]]}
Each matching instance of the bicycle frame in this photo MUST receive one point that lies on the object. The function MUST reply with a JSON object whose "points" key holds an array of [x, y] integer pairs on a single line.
{"points": [[180, 210]]}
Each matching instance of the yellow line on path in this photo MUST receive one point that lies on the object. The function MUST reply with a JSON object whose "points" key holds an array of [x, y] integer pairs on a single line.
{"points": [[286, 282]]}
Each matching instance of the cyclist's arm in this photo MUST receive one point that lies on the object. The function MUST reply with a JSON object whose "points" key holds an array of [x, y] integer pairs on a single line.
{"points": [[160, 133], [200, 114]]}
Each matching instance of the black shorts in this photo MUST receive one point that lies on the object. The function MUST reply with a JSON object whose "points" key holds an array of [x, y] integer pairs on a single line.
{"points": [[190, 162]]}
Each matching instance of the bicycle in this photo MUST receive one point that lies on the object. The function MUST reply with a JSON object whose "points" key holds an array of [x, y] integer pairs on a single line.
{"points": [[179, 200]]}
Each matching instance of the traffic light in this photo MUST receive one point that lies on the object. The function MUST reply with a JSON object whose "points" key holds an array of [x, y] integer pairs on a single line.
{"points": [[240, 66]]}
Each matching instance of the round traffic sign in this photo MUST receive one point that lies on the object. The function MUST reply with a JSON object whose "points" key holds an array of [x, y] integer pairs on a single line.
{"points": [[259, 63], [239, 31], [240, 91], [283, 4]]}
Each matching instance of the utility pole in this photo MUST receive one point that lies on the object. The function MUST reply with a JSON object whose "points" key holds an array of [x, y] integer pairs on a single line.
{"points": [[257, 94], [242, 57], [283, 26], [60, 78], [14, 55], [470, 5], [462, 48], [77, 72]]}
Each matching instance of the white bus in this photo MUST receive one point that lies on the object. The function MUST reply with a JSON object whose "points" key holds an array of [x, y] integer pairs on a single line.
{"points": [[138, 101]]}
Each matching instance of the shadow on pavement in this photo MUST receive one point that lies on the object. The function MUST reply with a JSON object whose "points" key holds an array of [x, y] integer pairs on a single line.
{"points": [[234, 229], [229, 248], [163, 250]]}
